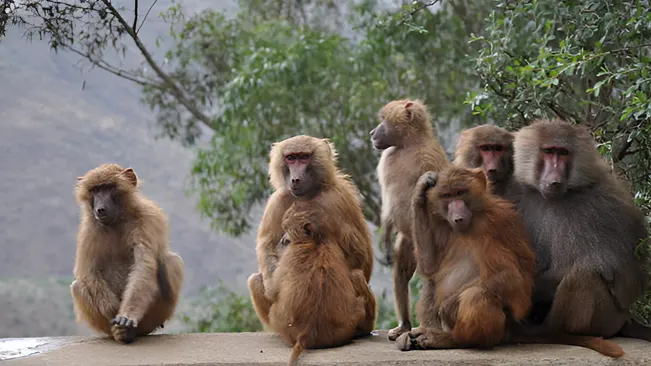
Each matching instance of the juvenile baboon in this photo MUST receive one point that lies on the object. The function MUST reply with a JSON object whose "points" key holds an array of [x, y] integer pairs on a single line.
{"points": [[127, 282], [303, 168], [316, 300], [491, 148], [477, 267], [584, 227], [409, 149]]}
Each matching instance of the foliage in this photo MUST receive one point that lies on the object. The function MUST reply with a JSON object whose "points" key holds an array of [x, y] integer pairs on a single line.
{"points": [[220, 310]]}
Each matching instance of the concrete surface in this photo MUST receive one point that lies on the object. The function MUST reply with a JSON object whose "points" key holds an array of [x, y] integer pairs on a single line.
{"points": [[267, 349]]}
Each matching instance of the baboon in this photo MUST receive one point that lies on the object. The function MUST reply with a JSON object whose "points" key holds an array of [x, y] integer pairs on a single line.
{"points": [[127, 282], [491, 148], [316, 300], [584, 227], [303, 168], [409, 149], [477, 266]]}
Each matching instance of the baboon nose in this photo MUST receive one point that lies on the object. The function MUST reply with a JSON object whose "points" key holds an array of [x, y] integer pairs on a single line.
{"points": [[458, 221], [100, 210], [296, 181], [492, 170]]}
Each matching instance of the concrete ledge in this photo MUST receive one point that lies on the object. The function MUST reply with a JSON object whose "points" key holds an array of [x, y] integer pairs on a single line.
{"points": [[267, 349]]}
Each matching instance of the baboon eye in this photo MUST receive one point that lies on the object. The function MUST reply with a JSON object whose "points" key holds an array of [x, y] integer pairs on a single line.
{"points": [[290, 157], [548, 150], [563, 152], [484, 148], [461, 192], [498, 148], [446, 195]]}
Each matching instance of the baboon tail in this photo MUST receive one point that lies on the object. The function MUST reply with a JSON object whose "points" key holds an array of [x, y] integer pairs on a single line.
{"points": [[298, 348], [540, 334], [163, 280]]}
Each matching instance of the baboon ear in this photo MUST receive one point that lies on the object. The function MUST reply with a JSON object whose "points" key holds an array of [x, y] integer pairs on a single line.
{"points": [[409, 105], [131, 176], [79, 178]]}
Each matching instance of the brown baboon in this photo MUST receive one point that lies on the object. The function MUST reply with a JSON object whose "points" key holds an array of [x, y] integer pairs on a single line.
{"points": [[491, 148], [409, 149], [303, 168], [127, 282], [584, 227], [477, 267], [316, 300]]}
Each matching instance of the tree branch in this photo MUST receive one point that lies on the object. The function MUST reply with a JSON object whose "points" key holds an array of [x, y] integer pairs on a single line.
{"points": [[113, 70], [422, 6], [167, 80], [135, 16], [146, 14]]}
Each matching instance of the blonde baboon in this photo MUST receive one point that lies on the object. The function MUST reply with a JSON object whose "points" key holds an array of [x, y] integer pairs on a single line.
{"points": [[303, 168], [491, 148], [316, 300], [477, 268], [127, 282], [409, 149]]}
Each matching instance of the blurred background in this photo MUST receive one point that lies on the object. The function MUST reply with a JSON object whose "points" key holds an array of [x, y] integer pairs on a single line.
{"points": [[191, 95]]}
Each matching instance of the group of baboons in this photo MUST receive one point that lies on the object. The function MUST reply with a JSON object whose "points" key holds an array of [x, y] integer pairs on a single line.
{"points": [[525, 237]]}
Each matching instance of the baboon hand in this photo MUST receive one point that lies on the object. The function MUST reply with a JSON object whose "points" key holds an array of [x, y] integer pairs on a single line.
{"points": [[425, 182]]}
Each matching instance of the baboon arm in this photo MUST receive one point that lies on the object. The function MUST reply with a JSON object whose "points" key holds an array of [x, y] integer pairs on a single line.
{"points": [[141, 289], [355, 238], [270, 233], [423, 237]]}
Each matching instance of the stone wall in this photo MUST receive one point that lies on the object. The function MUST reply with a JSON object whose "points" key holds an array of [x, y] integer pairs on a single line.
{"points": [[267, 349]]}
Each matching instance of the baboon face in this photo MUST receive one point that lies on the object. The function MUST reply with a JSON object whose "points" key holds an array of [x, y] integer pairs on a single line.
{"points": [[554, 170], [301, 175], [494, 161], [382, 136], [105, 203], [457, 190], [107, 189]]}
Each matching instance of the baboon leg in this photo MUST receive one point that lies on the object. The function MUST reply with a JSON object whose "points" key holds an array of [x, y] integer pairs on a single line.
{"points": [[367, 323], [260, 302], [404, 267], [95, 304], [584, 305], [163, 308]]}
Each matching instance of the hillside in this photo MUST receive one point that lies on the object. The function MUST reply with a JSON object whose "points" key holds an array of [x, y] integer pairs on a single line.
{"points": [[52, 131]]}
